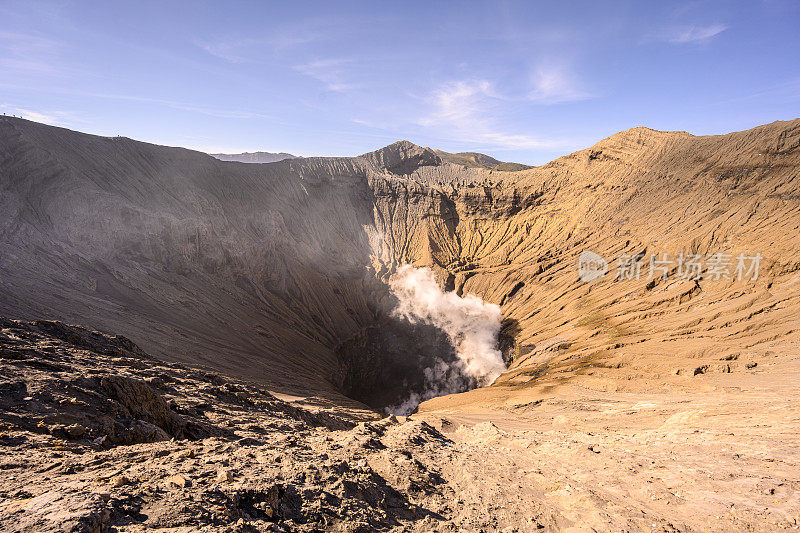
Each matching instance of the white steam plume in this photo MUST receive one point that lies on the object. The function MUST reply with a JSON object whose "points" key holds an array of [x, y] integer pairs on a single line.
{"points": [[471, 324]]}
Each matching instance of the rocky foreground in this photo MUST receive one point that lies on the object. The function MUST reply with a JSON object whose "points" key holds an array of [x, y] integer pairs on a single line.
{"points": [[98, 436]]}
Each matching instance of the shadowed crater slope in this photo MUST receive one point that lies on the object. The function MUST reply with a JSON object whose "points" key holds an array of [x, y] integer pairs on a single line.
{"points": [[265, 271]]}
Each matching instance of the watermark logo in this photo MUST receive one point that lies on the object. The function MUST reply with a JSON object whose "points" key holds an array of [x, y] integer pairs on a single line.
{"points": [[591, 266], [716, 266]]}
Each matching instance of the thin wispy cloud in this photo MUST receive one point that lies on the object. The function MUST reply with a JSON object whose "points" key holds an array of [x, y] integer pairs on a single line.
{"points": [[554, 84], [232, 51], [28, 52], [183, 106], [787, 91], [54, 118], [458, 102], [253, 48], [694, 34], [331, 72], [460, 109], [174, 104]]}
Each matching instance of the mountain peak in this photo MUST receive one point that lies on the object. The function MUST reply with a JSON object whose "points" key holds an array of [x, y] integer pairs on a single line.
{"points": [[402, 157]]}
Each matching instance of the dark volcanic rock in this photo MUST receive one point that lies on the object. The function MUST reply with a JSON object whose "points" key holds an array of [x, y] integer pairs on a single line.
{"points": [[81, 385]]}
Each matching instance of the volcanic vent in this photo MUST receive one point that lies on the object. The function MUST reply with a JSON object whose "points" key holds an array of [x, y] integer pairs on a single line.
{"points": [[432, 343]]}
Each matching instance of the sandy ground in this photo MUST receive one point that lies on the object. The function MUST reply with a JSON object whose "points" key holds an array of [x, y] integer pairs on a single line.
{"points": [[727, 459]]}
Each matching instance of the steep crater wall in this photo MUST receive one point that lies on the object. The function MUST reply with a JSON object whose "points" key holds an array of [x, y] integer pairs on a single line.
{"points": [[272, 272]]}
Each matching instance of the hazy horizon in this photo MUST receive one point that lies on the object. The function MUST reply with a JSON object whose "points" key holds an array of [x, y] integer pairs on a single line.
{"points": [[519, 82]]}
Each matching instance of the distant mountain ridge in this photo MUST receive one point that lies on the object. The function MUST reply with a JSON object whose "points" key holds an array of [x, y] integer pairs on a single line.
{"points": [[467, 159], [255, 157], [478, 160]]}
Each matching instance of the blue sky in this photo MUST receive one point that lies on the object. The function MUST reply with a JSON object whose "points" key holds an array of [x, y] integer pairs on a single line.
{"points": [[522, 81]]}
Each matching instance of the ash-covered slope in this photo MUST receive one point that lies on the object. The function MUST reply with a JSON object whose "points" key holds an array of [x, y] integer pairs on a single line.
{"points": [[194, 258], [275, 272]]}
